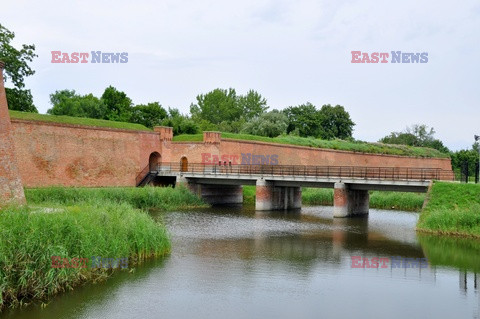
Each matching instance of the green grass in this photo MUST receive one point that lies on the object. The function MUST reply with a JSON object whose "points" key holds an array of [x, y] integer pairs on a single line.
{"points": [[76, 121], [357, 146], [379, 200], [79, 223], [164, 198], [452, 208], [30, 236]]}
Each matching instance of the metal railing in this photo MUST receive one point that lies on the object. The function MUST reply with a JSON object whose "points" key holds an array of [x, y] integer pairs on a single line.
{"points": [[142, 175], [382, 173]]}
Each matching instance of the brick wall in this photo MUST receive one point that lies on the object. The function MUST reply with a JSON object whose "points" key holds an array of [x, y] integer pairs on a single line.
{"points": [[11, 190], [70, 155], [231, 150]]}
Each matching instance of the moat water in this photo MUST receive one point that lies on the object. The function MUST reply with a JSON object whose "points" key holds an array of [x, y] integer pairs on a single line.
{"points": [[238, 263]]}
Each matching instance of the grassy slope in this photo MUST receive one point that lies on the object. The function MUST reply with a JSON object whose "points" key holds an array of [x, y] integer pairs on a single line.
{"points": [[452, 209], [380, 200], [377, 148], [76, 121]]}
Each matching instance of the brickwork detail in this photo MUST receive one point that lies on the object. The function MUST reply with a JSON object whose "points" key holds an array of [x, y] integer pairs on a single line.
{"points": [[11, 189]]}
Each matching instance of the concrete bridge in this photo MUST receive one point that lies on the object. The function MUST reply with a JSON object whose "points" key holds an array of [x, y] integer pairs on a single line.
{"points": [[280, 186]]}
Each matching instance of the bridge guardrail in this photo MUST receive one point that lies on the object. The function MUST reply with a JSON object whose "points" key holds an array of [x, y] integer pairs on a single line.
{"points": [[382, 173]]}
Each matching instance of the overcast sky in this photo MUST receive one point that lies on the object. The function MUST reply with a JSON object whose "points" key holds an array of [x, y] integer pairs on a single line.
{"points": [[289, 51]]}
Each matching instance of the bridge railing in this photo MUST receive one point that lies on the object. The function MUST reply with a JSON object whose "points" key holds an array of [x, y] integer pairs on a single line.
{"points": [[384, 173]]}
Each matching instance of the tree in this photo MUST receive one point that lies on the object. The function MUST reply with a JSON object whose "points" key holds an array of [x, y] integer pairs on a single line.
{"points": [[335, 122], [465, 156], [226, 106], [118, 104], [20, 100], [67, 102], [252, 104], [416, 135], [304, 119], [16, 69], [216, 106], [181, 124], [150, 115], [271, 124]]}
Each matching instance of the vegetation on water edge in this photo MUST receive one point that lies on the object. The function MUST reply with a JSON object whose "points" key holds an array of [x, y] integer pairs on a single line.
{"points": [[79, 223], [76, 121], [164, 198], [454, 252], [354, 146], [380, 200], [453, 209], [30, 236]]}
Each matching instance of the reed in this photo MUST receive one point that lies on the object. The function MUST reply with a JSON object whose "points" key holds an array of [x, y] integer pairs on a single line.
{"points": [[164, 198], [30, 236]]}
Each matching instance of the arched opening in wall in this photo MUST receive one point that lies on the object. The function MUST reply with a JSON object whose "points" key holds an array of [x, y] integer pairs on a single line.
{"points": [[154, 160], [184, 164]]}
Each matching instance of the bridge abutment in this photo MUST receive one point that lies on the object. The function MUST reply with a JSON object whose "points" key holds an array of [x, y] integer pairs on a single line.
{"points": [[270, 197], [348, 202]]}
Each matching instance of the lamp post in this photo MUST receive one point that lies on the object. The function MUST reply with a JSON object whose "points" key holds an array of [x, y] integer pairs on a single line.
{"points": [[477, 138]]}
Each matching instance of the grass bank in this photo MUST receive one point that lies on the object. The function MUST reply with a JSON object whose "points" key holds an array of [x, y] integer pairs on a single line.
{"points": [[79, 223], [354, 146], [76, 121], [380, 200], [164, 198], [452, 209]]}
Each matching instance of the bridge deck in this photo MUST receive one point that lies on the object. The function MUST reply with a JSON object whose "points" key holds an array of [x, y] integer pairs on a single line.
{"points": [[361, 178]]}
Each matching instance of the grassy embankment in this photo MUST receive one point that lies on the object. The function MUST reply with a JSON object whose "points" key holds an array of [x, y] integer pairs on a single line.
{"points": [[357, 146], [78, 223], [380, 200], [76, 121], [452, 209]]}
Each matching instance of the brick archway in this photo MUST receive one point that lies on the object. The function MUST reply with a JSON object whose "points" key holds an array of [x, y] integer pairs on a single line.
{"points": [[154, 160]]}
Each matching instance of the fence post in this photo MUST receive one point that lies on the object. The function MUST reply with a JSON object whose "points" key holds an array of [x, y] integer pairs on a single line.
{"points": [[476, 172]]}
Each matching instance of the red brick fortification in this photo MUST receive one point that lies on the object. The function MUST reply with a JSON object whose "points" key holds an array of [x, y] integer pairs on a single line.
{"points": [[54, 154], [214, 149], [72, 155], [11, 189]]}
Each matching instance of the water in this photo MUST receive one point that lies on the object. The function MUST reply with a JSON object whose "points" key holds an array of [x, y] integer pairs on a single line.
{"points": [[238, 263]]}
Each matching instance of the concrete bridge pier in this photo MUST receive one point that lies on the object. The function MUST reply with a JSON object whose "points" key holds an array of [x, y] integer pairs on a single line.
{"points": [[270, 197], [215, 194], [348, 202]]}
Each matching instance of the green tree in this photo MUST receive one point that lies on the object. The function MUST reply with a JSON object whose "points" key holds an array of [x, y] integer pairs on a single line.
{"points": [[465, 156], [252, 104], [271, 124], [303, 119], [335, 122], [67, 102], [416, 135], [217, 106], [118, 104], [16, 69], [20, 100], [150, 115], [180, 123]]}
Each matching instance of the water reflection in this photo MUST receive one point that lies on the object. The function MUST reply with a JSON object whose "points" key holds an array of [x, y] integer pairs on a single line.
{"points": [[460, 253], [238, 263]]}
